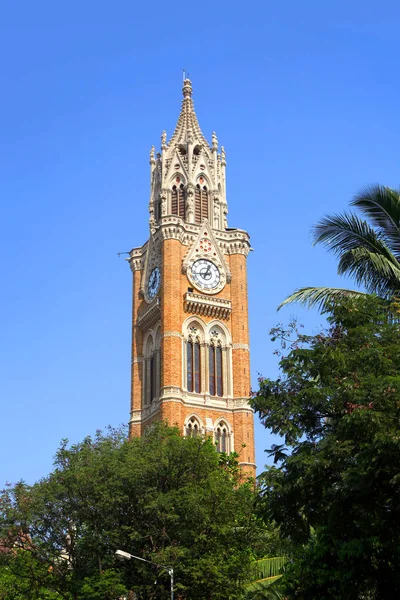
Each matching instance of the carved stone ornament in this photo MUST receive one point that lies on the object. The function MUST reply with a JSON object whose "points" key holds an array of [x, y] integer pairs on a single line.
{"points": [[163, 198], [205, 246]]}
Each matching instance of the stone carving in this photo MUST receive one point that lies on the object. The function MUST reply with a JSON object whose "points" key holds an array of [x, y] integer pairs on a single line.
{"points": [[216, 212], [163, 199], [190, 203], [225, 218]]}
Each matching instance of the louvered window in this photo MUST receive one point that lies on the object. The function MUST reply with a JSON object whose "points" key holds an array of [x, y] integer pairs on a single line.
{"points": [[178, 200], [201, 203]]}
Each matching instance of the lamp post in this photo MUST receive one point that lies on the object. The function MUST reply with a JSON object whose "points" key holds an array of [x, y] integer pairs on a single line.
{"points": [[121, 555]]}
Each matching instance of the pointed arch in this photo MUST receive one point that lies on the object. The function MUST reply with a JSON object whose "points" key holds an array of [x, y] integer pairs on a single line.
{"points": [[223, 436], [148, 369], [193, 373], [193, 426], [218, 342], [151, 366]]}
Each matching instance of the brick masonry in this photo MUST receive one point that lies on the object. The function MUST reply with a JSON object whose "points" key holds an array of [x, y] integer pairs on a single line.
{"points": [[174, 285]]}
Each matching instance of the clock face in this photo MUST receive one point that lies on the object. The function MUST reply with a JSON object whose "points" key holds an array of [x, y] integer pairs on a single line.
{"points": [[154, 282], [205, 274]]}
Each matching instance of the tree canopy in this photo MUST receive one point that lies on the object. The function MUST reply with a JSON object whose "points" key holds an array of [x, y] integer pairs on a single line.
{"points": [[162, 497], [334, 489]]}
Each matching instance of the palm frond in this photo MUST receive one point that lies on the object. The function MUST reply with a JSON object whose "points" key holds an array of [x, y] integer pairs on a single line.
{"points": [[263, 589], [375, 272], [266, 572], [320, 297], [342, 233], [268, 567], [382, 207]]}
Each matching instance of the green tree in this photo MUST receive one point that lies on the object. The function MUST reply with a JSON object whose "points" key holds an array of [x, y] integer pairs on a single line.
{"points": [[334, 489], [163, 497], [368, 250], [266, 575]]}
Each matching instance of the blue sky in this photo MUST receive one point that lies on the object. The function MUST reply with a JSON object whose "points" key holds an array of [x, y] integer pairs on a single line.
{"points": [[304, 97]]}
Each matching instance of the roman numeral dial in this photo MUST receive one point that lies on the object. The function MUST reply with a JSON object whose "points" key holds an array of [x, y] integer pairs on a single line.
{"points": [[205, 275]]}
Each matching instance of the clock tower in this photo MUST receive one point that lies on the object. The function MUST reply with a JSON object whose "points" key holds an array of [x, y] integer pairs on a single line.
{"points": [[190, 337]]}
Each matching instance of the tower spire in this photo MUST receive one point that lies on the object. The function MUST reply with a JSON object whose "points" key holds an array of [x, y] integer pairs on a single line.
{"points": [[188, 178], [187, 122]]}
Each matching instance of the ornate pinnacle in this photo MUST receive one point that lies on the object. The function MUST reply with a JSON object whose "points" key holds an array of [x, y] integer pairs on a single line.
{"points": [[187, 88], [163, 140], [214, 140], [223, 156], [152, 159]]}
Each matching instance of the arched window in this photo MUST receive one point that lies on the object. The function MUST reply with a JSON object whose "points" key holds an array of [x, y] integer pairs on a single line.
{"points": [[193, 365], [152, 370], [157, 209], [200, 202], [215, 370], [221, 436], [192, 428], [178, 200]]}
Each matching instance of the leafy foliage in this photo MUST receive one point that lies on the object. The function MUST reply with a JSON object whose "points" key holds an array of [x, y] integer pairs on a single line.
{"points": [[162, 497], [336, 491], [368, 252], [266, 573]]}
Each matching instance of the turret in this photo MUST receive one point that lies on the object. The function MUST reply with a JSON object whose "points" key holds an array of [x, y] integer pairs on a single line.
{"points": [[188, 176]]}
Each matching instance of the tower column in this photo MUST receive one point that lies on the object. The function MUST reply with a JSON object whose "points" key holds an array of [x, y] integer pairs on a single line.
{"points": [[172, 310], [137, 364]]}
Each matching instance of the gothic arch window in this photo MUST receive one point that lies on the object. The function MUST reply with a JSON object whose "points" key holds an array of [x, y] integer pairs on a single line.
{"points": [[200, 201], [219, 361], [193, 427], [222, 437], [193, 364], [215, 369], [152, 369], [182, 150], [194, 358], [178, 199], [148, 371]]}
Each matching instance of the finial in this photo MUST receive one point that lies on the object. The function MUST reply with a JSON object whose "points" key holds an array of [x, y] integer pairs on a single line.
{"points": [[163, 139], [152, 160], [223, 156], [214, 140], [187, 88]]}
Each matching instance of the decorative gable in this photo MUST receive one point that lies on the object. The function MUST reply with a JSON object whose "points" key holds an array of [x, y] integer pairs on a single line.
{"points": [[205, 246]]}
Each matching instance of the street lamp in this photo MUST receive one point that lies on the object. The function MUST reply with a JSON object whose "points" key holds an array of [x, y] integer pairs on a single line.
{"points": [[121, 555]]}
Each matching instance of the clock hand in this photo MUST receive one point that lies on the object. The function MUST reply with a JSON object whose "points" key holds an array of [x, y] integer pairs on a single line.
{"points": [[207, 273]]}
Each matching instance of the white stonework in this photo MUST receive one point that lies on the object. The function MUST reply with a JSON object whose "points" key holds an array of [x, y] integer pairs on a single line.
{"points": [[235, 241], [189, 158]]}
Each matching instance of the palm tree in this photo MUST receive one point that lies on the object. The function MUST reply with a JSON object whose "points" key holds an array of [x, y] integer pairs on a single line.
{"points": [[368, 250], [266, 572]]}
